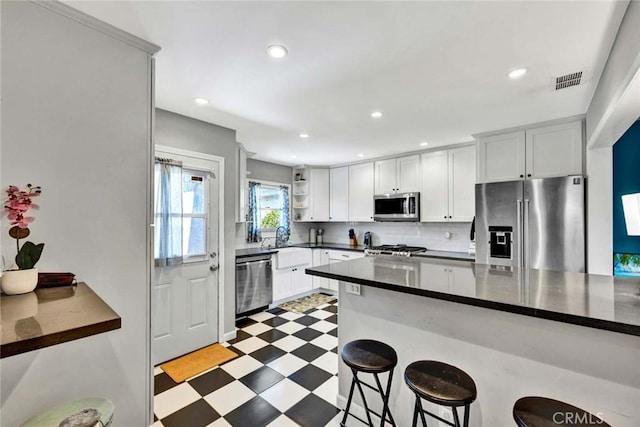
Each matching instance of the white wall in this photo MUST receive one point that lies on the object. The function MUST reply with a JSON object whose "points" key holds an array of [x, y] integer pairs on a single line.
{"points": [[175, 130], [76, 108], [600, 211], [615, 106]]}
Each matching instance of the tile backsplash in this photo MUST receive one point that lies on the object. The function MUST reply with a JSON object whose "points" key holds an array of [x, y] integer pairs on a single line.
{"points": [[432, 235]]}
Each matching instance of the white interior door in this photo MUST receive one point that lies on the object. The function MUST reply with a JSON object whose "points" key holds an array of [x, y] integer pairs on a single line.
{"points": [[184, 298]]}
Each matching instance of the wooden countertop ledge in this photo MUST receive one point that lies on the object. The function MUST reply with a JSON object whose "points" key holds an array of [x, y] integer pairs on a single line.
{"points": [[52, 316]]}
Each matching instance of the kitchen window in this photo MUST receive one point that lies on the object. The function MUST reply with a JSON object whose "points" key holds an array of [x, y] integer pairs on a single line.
{"points": [[268, 209]]}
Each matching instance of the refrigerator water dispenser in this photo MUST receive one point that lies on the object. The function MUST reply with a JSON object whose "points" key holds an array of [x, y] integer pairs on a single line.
{"points": [[500, 239]]}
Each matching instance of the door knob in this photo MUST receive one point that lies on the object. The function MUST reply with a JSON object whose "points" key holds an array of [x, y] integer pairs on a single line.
{"points": [[213, 255], [213, 268]]}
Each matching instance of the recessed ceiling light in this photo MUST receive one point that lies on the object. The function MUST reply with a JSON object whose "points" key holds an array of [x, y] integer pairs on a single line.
{"points": [[201, 101], [424, 143], [304, 135], [376, 114], [277, 51], [517, 73], [360, 155]]}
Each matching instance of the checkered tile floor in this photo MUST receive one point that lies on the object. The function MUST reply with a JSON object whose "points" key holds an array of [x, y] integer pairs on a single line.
{"points": [[286, 375]]}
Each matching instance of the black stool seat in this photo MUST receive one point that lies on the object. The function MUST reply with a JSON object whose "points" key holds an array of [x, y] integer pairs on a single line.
{"points": [[544, 412], [440, 383], [369, 356]]}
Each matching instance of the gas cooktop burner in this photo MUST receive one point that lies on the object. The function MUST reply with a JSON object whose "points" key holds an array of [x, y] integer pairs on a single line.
{"points": [[395, 250]]}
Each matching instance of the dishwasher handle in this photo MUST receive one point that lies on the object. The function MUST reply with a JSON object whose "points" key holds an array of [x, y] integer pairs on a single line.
{"points": [[253, 259]]}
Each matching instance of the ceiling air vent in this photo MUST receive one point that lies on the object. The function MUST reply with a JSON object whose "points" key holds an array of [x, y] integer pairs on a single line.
{"points": [[568, 80]]}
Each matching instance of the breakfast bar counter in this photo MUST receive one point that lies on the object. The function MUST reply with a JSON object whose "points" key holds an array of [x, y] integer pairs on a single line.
{"points": [[568, 336]]}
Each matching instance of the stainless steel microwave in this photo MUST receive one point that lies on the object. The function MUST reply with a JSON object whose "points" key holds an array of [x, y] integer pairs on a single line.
{"points": [[396, 207]]}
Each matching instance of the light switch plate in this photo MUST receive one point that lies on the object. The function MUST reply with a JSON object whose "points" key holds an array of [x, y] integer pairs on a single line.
{"points": [[353, 288]]}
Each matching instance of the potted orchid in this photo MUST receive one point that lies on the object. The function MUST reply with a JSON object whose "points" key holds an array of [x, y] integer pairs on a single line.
{"points": [[23, 277]]}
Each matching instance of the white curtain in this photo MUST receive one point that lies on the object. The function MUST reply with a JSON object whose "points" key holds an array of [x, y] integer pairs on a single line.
{"points": [[168, 212]]}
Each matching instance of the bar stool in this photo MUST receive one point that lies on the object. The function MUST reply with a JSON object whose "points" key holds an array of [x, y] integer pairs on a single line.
{"points": [[533, 411], [442, 384], [372, 357]]}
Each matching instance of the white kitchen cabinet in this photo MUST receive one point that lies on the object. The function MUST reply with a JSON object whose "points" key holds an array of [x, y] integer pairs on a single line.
{"points": [[281, 283], [339, 194], [462, 184], [319, 195], [447, 192], [320, 257], [434, 192], [501, 157], [448, 278], [242, 190], [290, 282], [339, 256], [554, 150], [538, 152], [361, 192], [399, 175]]}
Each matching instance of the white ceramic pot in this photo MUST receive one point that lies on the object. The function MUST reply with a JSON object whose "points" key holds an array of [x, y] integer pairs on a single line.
{"points": [[15, 282]]}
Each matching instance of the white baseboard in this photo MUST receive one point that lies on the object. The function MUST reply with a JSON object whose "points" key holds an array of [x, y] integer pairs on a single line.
{"points": [[229, 336]]}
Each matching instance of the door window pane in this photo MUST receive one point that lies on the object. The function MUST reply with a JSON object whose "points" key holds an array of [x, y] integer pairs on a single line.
{"points": [[194, 232], [193, 193]]}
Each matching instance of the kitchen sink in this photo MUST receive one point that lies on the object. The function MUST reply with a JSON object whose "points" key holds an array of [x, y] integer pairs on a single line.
{"points": [[288, 257]]}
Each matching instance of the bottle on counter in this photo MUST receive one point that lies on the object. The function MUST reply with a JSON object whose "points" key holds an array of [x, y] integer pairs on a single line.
{"points": [[319, 237], [313, 236]]}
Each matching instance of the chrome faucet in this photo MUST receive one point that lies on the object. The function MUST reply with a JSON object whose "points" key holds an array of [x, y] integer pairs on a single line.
{"points": [[282, 236]]}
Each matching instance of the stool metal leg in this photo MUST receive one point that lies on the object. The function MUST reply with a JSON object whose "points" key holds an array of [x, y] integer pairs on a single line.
{"points": [[364, 400], [467, 410], [456, 419], [346, 410], [422, 417], [385, 399]]}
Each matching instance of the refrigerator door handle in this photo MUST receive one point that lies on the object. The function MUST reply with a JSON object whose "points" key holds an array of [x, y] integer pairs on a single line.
{"points": [[519, 229], [527, 251]]}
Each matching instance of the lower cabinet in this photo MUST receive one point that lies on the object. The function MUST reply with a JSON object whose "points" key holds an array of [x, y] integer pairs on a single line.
{"points": [[290, 281], [320, 257], [453, 278], [340, 256]]}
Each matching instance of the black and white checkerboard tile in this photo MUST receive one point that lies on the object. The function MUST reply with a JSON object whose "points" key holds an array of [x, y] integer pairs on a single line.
{"points": [[286, 375]]}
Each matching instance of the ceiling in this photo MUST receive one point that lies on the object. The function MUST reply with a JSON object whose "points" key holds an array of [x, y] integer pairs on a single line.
{"points": [[437, 70]]}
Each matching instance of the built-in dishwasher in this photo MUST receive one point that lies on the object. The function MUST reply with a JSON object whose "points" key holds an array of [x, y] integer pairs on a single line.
{"points": [[254, 283]]}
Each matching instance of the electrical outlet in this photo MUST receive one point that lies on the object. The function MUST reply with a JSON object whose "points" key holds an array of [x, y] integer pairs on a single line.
{"points": [[353, 288]]}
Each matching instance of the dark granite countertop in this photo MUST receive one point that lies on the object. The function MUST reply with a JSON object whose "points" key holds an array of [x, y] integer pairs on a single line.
{"points": [[240, 253], [328, 245], [51, 316], [603, 302]]}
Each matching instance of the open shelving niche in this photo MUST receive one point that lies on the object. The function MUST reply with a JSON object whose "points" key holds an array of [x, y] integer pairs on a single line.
{"points": [[300, 193]]}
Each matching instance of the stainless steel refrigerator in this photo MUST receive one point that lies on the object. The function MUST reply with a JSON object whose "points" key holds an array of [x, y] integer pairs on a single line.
{"points": [[536, 223]]}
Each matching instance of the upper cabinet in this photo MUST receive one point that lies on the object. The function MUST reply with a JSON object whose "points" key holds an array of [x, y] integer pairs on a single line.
{"points": [[339, 194], [554, 150], [400, 175], [447, 190], [319, 195], [540, 152], [361, 190], [310, 194]]}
